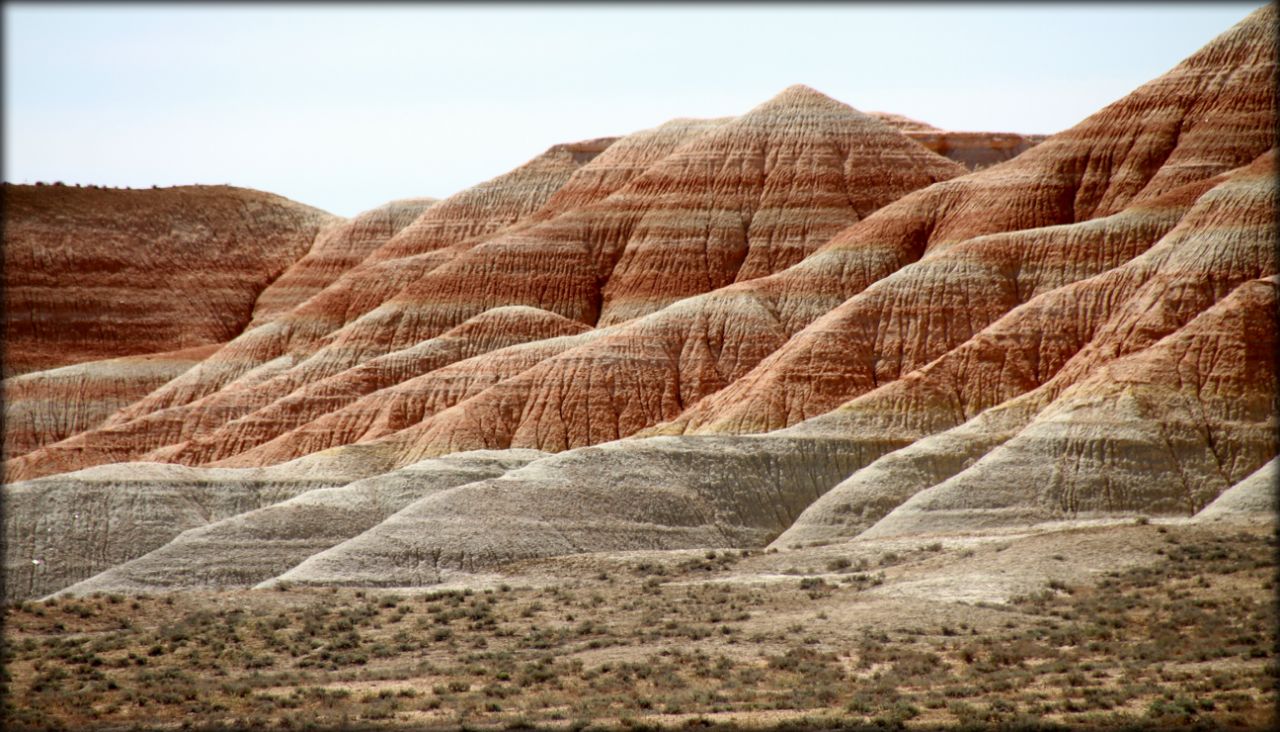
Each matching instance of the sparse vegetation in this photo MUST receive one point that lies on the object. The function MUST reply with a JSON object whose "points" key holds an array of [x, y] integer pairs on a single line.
{"points": [[1186, 641]]}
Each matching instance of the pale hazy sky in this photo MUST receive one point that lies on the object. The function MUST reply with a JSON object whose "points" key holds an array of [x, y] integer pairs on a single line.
{"points": [[345, 107]]}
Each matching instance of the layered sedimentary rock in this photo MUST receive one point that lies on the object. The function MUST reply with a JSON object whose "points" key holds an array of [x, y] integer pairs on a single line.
{"points": [[168, 415], [905, 320], [97, 273], [850, 163], [1163, 431], [406, 403], [698, 346], [376, 385], [704, 216], [255, 545], [47, 406], [1085, 330], [1021, 363]]}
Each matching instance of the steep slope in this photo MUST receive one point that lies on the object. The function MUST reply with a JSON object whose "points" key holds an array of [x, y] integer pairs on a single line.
{"points": [[97, 273], [694, 209], [610, 221], [1251, 499], [1127, 115], [922, 311], [338, 248]]}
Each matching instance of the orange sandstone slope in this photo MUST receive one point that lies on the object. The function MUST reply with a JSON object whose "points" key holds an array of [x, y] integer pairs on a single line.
{"points": [[1128, 170], [748, 197], [745, 199], [1122, 177], [173, 412], [98, 273]]}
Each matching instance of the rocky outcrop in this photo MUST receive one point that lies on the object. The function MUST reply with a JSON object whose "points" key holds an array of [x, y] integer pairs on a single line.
{"points": [[98, 273], [973, 150]]}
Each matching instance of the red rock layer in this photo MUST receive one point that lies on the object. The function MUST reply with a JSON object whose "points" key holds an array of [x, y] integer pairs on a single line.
{"points": [[490, 331], [922, 311], [94, 273], [338, 248], [691, 215], [408, 402]]}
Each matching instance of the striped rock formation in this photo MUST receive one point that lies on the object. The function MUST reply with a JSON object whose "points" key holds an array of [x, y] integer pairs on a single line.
{"points": [[799, 325], [679, 355], [97, 273], [851, 165], [42, 407]]}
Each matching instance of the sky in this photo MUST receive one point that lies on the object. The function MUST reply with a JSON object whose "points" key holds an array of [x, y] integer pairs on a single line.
{"points": [[345, 107]]}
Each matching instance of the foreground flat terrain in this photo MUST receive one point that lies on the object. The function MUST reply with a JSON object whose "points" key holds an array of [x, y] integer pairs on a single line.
{"points": [[1137, 624]]}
